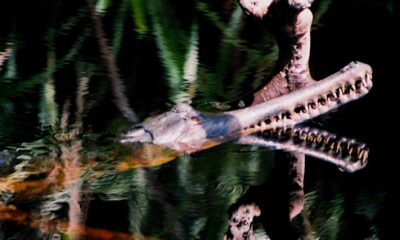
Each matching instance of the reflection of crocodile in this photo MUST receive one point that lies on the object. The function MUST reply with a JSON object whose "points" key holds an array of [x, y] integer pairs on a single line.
{"points": [[187, 130], [348, 154]]}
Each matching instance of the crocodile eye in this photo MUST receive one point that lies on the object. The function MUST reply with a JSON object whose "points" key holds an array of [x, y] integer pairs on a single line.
{"points": [[195, 119]]}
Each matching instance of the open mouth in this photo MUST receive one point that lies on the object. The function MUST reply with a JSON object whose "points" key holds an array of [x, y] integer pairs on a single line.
{"points": [[138, 134]]}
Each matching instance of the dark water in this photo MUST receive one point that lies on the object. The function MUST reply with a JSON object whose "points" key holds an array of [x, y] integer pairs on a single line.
{"points": [[64, 175]]}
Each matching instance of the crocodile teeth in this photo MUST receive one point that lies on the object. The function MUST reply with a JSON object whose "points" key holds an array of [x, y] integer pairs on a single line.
{"points": [[263, 124]]}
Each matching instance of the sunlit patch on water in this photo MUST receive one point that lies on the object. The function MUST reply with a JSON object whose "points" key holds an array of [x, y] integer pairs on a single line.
{"points": [[56, 228], [147, 155]]}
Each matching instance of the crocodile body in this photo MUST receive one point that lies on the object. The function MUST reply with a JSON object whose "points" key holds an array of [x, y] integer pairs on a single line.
{"points": [[187, 130]]}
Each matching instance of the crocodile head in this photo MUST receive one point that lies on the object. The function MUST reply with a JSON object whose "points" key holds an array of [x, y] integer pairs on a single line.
{"points": [[184, 129], [187, 130]]}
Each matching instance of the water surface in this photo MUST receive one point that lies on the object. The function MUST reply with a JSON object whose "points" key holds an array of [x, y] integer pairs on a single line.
{"points": [[64, 174]]}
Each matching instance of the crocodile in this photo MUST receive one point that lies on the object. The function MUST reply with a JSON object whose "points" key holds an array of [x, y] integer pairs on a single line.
{"points": [[292, 96], [187, 130]]}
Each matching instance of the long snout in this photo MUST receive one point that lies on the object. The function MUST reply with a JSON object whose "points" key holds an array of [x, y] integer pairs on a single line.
{"points": [[139, 134]]}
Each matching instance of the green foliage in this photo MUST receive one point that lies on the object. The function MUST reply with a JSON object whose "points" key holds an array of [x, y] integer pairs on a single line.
{"points": [[205, 57], [139, 12], [103, 5]]}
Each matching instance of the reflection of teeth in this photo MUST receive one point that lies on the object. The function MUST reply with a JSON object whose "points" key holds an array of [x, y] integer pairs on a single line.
{"points": [[302, 136], [347, 159], [360, 154], [339, 148], [310, 137], [351, 151], [365, 157], [360, 150], [347, 152], [352, 142], [332, 146], [319, 139]]}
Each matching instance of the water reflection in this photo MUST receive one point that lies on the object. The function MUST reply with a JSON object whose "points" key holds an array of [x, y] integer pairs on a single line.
{"points": [[285, 212], [60, 180], [178, 55], [63, 188], [347, 154], [61, 168], [4, 55]]}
